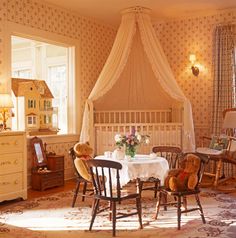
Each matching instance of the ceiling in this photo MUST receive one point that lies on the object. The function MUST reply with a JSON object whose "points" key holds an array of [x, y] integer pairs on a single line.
{"points": [[108, 11]]}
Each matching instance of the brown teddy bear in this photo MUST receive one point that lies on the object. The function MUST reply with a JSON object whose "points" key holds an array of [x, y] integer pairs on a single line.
{"points": [[83, 152], [185, 177]]}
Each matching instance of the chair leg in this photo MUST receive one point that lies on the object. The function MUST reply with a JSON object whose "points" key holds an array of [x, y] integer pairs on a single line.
{"points": [[139, 210], [155, 189], [94, 212], [139, 185], [217, 175], [200, 208], [164, 199], [185, 203], [158, 204], [113, 218], [179, 211], [110, 211], [84, 190], [75, 194]]}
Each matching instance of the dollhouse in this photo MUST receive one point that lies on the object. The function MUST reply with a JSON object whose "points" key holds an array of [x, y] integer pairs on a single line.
{"points": [[33, 105]]}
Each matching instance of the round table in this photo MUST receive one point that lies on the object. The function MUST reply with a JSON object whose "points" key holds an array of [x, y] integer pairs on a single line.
{"points": [[141, 167]]}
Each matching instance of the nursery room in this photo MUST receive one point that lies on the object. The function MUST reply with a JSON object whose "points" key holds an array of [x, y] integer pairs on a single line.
{"points": [[117, 118]]}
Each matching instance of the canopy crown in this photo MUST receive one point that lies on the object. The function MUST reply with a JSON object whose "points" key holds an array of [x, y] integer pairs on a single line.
{"points": [[136, 9]]}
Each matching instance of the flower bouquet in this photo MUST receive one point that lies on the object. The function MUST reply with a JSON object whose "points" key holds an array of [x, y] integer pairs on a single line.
{"points": [[130, 142]]}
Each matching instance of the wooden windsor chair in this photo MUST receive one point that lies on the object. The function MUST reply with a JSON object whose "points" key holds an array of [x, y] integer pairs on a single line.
{"points": [[181, 197], [172, 155], [106, 181], [79, 181]]}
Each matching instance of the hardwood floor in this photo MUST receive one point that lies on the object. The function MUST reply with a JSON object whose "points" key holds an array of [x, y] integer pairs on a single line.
{"points": [[68, 185]]}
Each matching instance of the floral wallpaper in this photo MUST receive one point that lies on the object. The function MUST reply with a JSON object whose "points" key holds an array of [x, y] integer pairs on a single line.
{"points": [[179, 38], [96, 38], [96, 41], [2, 26]]}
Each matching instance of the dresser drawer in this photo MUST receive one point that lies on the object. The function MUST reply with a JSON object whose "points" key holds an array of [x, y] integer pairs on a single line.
{"points": [[11, 144], [41, 181], [56, 180], [11, 183], [55, 162], [11, 163]]}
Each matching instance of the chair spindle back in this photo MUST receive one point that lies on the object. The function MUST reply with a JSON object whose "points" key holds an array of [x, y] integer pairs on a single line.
{"points": [[105, 177], [171, 153]]}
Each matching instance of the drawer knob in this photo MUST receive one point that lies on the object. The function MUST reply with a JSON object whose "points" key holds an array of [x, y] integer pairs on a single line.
{"points": [[4, 183], [16, 182], [5, 143], [16, 161], [16, 142]]}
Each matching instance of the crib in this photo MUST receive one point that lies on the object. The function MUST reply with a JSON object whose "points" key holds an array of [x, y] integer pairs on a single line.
{"points": [[165, 127]]}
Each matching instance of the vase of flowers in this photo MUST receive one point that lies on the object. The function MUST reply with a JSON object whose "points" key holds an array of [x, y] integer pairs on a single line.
{"points": [[131, 142]]}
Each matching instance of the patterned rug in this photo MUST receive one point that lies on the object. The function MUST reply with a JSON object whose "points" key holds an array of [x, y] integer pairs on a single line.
{"points": [[53, 217]]}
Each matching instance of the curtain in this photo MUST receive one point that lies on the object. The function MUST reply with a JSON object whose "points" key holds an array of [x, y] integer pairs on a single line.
{"points": [[224, 73], [110, 73], [164, 75], [136, 89], [133, 18]]}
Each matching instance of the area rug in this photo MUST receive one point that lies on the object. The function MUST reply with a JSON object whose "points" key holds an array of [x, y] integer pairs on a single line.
{"points": [[53, 217]]}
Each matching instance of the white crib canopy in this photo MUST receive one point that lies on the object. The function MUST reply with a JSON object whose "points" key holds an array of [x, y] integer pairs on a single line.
{"points": [[137, 75]]}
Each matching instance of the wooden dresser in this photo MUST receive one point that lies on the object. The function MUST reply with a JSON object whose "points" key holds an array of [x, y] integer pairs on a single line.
{"points": [[13, 165]]}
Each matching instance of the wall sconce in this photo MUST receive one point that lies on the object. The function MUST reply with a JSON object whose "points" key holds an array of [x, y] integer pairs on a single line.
{"points": [[195, 69], [5, 104]]}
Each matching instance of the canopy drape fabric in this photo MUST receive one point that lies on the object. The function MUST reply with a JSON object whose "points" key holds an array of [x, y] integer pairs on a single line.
{"points": [[136, 89], [131, 19]]}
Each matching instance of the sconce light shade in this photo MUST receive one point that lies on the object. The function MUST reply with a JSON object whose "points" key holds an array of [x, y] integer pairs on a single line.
{"points": [[192, 58], [195, 69], [6, 101]]}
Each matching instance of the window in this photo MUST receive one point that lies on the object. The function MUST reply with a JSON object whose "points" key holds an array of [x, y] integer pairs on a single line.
{"points": [[47, 119], [56, 74], [31, 121], [23, 73], [40, 60], [31, 103]]}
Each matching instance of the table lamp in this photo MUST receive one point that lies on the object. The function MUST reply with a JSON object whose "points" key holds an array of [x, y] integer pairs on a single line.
{"points": [[229, 122], [5, 104]]}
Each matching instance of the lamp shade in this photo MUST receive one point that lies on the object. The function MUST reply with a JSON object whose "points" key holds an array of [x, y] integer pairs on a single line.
{"points": [[192, 58], [6, 101], [230, 120]]}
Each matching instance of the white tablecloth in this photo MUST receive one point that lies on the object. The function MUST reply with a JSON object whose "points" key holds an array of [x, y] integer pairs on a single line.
{"points": [[141, 166]]}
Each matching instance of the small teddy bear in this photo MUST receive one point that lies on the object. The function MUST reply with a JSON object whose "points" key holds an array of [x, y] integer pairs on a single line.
{"points": [[83, 152], [186, 177]]}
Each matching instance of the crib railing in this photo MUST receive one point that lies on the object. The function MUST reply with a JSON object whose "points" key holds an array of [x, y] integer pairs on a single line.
{"points": [[160, 134], [140, 116]]}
